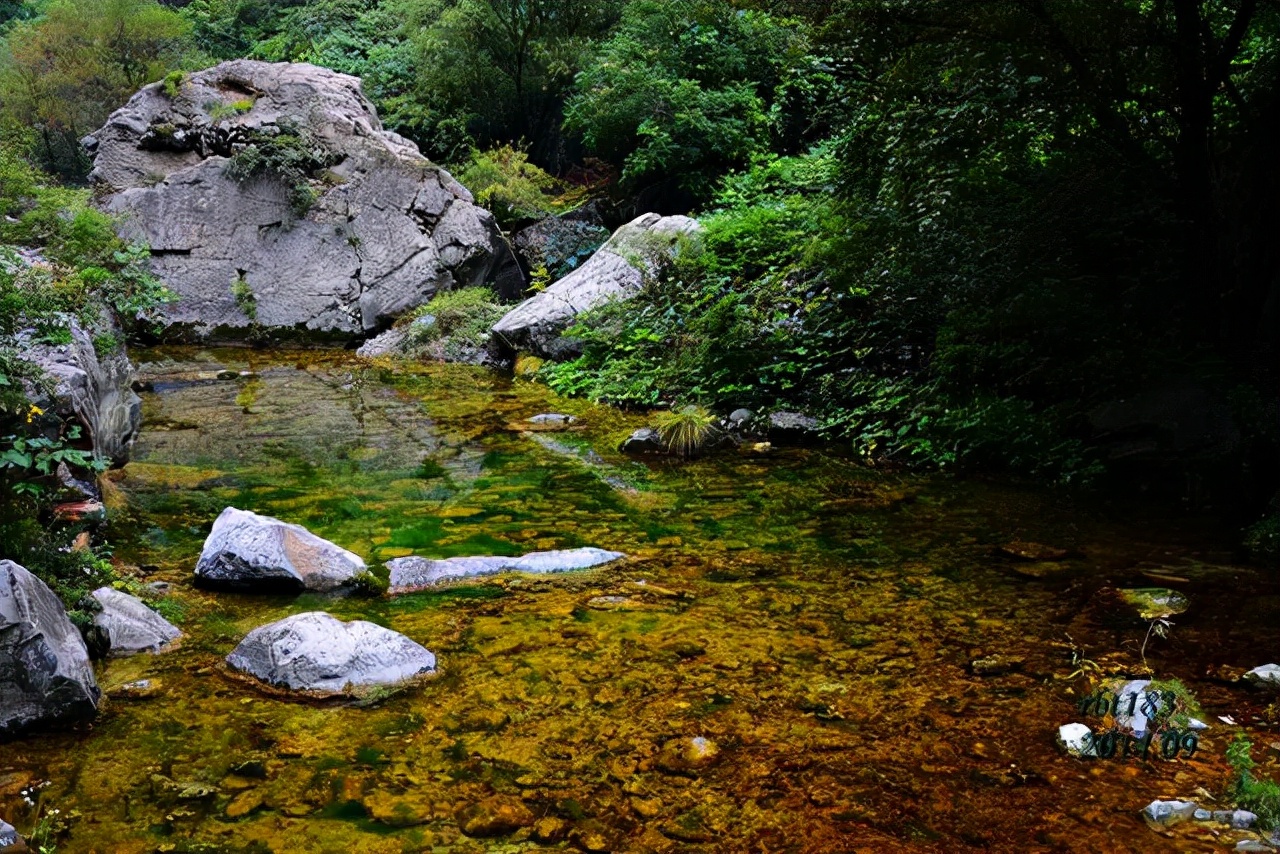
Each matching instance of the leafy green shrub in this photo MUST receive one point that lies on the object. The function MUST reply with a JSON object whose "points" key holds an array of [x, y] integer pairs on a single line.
{"points": [[219, 110], [453, 326], [245, 298], [1261, 797], [1262, 539], [173, 83], [504, 181]]}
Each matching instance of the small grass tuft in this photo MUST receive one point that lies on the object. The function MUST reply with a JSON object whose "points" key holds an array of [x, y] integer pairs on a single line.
{"points": [[687, 431]]}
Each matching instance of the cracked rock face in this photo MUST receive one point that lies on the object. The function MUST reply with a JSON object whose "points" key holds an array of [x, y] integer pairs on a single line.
{"points": [[387, 229]]}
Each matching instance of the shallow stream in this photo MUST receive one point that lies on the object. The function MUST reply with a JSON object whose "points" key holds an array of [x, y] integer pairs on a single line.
{"points": [[813, 619]]}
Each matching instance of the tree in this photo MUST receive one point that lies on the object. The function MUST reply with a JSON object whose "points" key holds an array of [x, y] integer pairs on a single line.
{"points": [[686, 90], [62, 74], [504, 67]]}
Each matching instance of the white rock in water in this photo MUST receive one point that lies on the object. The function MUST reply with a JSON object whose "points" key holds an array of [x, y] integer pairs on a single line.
{"points": [[415, 573], [1073, 738], [1165, 813], [315, 651], [131, 626], [1266, 676], [249, 551]]}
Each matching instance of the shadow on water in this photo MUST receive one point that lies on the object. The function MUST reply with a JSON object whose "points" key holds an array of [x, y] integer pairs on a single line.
{"points": [[814, 620]]}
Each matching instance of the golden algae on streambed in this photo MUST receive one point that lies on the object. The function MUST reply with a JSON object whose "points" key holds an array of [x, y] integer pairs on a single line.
{"points": [[782, 663]]}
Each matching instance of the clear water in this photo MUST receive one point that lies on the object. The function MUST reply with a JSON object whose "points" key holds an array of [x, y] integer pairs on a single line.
{"points": [[812, 618]]}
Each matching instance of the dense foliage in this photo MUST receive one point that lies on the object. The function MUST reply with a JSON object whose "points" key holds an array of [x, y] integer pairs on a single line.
{"points": [[957, 232]]}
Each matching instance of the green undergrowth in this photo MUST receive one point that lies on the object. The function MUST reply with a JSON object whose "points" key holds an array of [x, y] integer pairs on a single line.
{"points": [[1258, 795]]}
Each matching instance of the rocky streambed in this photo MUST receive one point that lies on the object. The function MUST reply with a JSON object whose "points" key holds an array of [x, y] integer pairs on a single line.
{"points": [[794, 654]]}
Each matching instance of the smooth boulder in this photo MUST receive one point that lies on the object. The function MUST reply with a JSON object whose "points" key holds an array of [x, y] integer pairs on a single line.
{"points": [[318, 652], [1265, 676], [616, 271], [45, 674], [129, 625], [370, 230], [418, 573], [248, 551]]}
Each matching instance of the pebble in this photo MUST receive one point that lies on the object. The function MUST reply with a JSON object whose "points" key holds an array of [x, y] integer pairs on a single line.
{"points": [[139, 689], [495, 816], [684, 755], [996, 665], [245, 803]]}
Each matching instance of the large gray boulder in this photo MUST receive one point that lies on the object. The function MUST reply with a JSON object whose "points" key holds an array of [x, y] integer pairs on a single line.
{"points": [[383, 229], [92, 388], [314, 651], [248, 551], [616, 271], [418, 573], [45, 675], [129, 625]]}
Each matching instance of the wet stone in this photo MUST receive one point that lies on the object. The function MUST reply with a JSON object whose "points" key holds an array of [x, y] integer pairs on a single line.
{"points": [[498, 815], [245, 803], [592, 835], [10, 841], [552, 419], [1153, 603], [1034, 552], [687, 755], [550, 828], [139, 689], [405, 810], [1168, 813], [1266, 676], [129, 625], [996, 665], [316, 652]]}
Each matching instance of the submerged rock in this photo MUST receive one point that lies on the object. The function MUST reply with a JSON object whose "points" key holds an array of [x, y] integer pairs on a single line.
{"points": [[366, 229], [794, 428], [615, 272], [130, 626], [1154, 603], [494, 816], [315, 651], [686, 755], [45, 675], [416, 573], [245, 550]]}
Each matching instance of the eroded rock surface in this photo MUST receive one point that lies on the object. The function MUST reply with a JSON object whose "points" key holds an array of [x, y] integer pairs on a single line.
{"points": [[45, 675], [386, 229], [248, 551], [314, 651], [616, 271], [92, 388], [129, 625], [416, 573]]}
